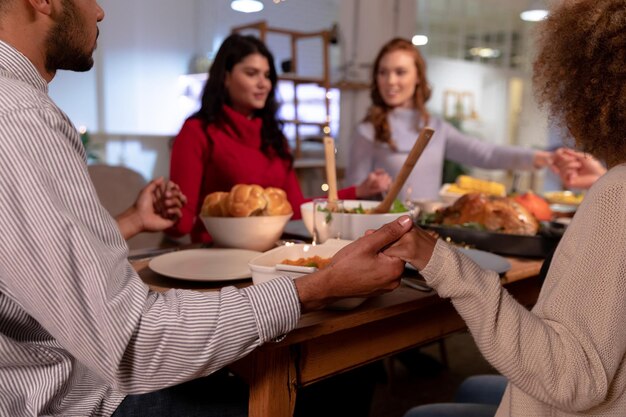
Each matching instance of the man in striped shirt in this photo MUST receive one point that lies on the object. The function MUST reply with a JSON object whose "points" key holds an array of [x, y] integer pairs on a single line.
{"points": [[78, 329]]}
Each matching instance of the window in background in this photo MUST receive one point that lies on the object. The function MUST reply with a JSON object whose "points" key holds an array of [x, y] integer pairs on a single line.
{"points": [[485, 31]]}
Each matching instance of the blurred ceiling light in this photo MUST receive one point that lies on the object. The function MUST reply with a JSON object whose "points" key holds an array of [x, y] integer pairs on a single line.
{"points": [[535, 12], [533, 15], [246, 6], [485, 52], [419, 40]]}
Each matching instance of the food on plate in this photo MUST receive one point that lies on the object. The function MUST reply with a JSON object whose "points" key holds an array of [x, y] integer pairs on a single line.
{"points": [[246, 200], [564, 197], [465, 184], [536, 204], [314, 261], [489, 212]]}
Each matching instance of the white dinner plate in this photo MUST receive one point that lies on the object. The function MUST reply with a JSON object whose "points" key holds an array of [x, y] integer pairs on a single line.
{"points": [[205, 264], [485, 260]]}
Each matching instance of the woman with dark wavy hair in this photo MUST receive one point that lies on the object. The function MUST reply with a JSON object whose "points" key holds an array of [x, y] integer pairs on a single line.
{"points": [[399, 93], [236, 138], [566, 357]]}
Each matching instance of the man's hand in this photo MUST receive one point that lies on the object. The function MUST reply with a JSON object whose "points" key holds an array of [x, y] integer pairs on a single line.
{"points": [[358, 270], [158, 206]]}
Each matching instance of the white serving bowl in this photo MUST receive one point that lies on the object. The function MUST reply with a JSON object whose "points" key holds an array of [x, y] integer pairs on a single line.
{"points": [[448, 197], [263, 267], [427, 206], [253, 233], [352, 226]]}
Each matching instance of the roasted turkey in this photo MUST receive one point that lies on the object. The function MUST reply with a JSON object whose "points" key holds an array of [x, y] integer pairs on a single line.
{"points": [[495, 214]]}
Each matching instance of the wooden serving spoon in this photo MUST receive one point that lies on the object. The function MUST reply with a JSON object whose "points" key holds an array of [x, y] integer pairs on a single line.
{"points": [[331, 170], [409, 163]]}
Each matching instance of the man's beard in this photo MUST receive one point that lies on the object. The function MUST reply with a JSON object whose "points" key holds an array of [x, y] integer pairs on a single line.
{"points": [[63, 43]]}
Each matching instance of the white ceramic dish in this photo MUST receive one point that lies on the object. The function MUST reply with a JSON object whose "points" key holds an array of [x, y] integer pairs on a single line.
{"points": [[263, 267], [448, 197], [352, 226], [205, 264], [428, 206], [566, 197], [563, 210], [254, 233], [485, 260]]}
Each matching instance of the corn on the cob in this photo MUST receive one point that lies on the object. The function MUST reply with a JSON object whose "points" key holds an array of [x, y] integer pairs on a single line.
{"points": [[564, 197], [453, 188], [471, 184]]}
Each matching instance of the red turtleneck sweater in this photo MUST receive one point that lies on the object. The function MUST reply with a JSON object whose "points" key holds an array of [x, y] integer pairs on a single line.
{"points": [[234, 157]]}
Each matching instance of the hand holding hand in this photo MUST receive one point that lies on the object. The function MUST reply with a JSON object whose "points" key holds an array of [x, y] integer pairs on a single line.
{"points": [[157, 207], [542, 159], [378, 181], [358, 270], [577, 169], [415, 247]]}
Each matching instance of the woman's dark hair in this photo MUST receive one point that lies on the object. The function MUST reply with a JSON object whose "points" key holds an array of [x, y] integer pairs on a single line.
{"points": [[377, 113], [580, 73], [233, 50]]}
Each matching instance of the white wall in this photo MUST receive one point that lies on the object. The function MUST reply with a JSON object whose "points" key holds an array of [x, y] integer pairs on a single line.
{"points": [[145, 45], [499, 120], [365, 25]]}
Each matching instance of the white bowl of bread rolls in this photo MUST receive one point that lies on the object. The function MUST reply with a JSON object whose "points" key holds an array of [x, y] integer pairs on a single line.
{"points": [[248, 217]]}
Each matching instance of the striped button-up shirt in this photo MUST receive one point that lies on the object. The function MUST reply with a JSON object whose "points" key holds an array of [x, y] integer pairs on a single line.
{"points": [[78, 328]]}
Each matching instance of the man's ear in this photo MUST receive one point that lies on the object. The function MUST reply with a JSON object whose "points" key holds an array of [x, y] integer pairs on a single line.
{"points": [[42, 6]]}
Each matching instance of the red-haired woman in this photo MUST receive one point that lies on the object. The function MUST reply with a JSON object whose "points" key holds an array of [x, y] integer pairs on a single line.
{"points": [[399, 93]]}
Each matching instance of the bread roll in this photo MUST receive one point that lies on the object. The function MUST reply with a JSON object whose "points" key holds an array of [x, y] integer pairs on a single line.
{"points": [[215, 205], [246, 200], [277, 203]]}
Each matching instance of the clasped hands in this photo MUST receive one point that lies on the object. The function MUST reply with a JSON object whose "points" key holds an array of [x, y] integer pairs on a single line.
{"points": [[158, 206], [369, 266]]}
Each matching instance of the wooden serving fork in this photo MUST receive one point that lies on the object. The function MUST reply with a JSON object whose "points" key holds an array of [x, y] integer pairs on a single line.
{"points": [[407, 167]]}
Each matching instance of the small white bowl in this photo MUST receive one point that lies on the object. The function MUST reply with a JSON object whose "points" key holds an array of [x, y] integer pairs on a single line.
{"points": [[448, 197], [254, 233], [353, 226], [263, 267], [428, 206]]}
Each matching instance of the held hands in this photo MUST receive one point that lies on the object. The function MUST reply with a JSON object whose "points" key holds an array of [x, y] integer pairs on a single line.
{"points": [[360, 269], [378, 181], [577, 169], [415, 247], [157, 207], [542, 159]]}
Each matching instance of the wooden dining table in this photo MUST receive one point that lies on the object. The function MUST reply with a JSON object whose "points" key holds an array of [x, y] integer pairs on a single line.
{"points": [[329, 342]]}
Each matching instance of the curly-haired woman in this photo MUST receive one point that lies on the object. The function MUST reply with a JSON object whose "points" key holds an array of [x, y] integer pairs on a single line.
{"points": [[566, 357]]}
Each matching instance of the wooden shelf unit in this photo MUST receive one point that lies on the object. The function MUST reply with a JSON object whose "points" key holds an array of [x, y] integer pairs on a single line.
{"points": [[324, 82]]}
